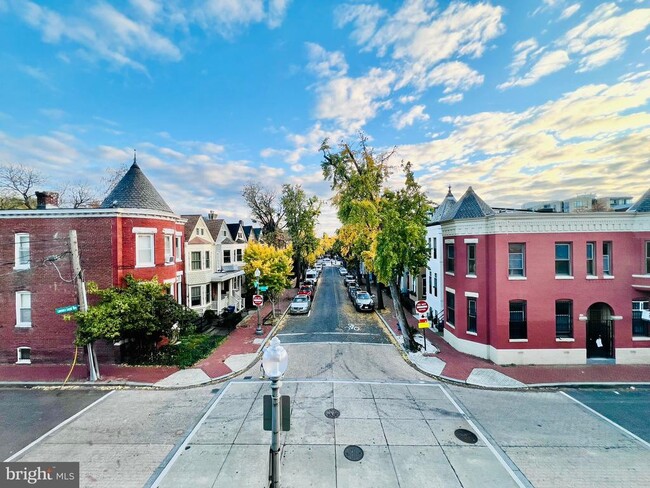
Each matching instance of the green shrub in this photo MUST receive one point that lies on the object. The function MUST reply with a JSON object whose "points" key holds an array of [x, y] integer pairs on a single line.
{"points": [[184, 354]]}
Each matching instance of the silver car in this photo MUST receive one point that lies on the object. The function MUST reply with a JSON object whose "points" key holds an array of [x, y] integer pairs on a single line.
{"points": [[364, 301], [300, 304]]}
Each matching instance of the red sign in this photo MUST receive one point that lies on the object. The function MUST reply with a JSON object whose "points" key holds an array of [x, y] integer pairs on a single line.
{"points": [[421, 306], [258, 300]]}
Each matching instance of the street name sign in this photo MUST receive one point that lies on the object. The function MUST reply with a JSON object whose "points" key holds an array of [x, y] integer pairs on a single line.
{"points": [[68, 309], [258, 300], [421, 306], [264, 288]]}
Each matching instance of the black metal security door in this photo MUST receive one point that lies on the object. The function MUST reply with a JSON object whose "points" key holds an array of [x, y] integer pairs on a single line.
{"points": [[600, 333]]}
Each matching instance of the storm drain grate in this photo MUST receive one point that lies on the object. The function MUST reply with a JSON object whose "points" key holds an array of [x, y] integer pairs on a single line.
{"points": [[248, 377], [215, 390], [332, 413], [353, 453], [466, 436]]}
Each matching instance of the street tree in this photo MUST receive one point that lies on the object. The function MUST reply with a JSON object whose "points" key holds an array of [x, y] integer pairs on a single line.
{"points": [[140, 313], [267, 210], [401, 241], [275, 267], [357, 176], [301, 214], [18, 186]]}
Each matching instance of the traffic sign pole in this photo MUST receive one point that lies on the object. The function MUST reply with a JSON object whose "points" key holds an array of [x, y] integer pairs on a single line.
{"points": [[258, 301]]}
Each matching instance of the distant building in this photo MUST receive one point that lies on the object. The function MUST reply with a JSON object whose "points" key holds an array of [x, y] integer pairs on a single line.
{"points": [[543, 288], [133, 232], [582, 203]]}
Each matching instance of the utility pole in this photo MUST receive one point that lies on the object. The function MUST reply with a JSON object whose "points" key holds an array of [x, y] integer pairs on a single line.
{"points": [[93, 367]]}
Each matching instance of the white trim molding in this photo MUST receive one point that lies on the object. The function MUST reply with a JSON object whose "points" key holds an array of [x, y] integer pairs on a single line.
{"points": [[449, 241], [450, 290], [144, 230], [471, 240], [168, 231], [471, 294]]}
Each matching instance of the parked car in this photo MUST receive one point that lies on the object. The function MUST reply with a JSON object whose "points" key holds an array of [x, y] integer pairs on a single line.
{"points": [[312, 274], [352, 290], [349, 280], [310, 282], [300, 304], [343, 271], [364, 301], [306, 290]]}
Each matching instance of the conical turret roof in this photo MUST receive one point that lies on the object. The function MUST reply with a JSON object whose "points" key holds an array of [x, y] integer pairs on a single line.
{"points": [[446, 205], [135, 190], [469, 206], [642, 204]]}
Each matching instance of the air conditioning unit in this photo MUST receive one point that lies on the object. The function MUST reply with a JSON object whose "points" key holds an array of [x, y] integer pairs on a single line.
{"points": [[170, 259], [645, 315]]}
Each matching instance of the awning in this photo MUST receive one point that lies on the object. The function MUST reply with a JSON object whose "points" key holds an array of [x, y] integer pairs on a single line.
{"points": [[221, 276]]}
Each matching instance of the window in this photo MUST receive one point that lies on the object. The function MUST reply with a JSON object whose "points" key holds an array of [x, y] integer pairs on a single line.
{"points": [[21, 259], [178, 248], [471, 259], [516, 259], [226, 256], [144, 250], [591, 258], [647, 257], [450, 258], [430, 247], [169, 249], [451, 308], [518, 320], [424, 284], [435, 284], [640, 327], [224, 233], [607, 258], [23, 309], [195, 296], [208, 294], [562, 259], [435, 248], [471, 314], [24, 355], [195, 258], [430, 283], [207, 259], [239, 255], [563, 318]]}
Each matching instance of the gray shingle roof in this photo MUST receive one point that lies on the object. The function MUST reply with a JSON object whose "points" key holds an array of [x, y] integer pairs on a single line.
{"points": [[469, 206], [642, 204], [190, 224], [446, 205], [214, 226], [135, 190]]}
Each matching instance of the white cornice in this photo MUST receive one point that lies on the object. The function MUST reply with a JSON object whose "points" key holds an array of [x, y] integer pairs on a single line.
{"points": [[548, 224], [80, 213]]}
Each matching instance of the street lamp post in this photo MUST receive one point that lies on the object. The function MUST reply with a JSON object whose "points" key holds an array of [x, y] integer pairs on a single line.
{"points": [[259, 330], [275, 361]]}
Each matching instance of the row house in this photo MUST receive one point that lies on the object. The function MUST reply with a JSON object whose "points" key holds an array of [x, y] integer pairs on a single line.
{"points": [[214, 257], [132, 232], [542, 288]]}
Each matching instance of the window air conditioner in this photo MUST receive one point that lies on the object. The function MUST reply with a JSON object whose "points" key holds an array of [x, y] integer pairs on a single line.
{"points": [[170, 259], [645, 315]]}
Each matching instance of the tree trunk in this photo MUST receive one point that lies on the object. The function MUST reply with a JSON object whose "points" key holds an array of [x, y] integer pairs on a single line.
{"points": [[380, 297], [368, 283], [401, 317]]}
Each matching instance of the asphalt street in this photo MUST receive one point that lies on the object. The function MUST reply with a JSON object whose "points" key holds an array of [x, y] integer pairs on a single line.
{"points": [[333, 318], [25, 415]]}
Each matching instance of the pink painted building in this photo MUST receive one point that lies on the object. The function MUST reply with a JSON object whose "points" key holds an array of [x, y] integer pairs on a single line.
{"points": [[547, 288], [133, 232]]}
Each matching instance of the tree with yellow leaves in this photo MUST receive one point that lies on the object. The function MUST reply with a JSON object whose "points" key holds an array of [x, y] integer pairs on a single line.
{"points": [[275, 267]]}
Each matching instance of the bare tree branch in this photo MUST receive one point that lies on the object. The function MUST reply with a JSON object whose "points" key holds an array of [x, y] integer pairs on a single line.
{"points": [[19, 181]]}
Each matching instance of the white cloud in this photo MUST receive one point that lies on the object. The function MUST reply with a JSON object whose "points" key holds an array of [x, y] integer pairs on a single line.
{"points": [[569, 11], [453, 75], [450, 99], [522, 51], [353, 101], [401, 120], [277, 12], [364, 17], [325, 64], [547, 64], [597, 40]]}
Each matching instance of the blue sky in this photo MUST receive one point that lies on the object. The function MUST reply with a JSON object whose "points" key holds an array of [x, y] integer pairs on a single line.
{"points": [[523, 100]]}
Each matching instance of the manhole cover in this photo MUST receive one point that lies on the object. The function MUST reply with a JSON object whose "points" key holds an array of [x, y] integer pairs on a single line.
{"points": [[353, 453], [332, 413], [466, 436]]}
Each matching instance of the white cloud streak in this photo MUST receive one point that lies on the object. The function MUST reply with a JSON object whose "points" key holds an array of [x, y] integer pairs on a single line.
{"points": [[401, 120]]}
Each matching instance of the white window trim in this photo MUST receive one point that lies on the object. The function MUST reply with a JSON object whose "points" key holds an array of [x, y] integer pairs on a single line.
{"points": [[468, 332], [608, 277], [471, 294], [23, 361], [644, 276], [517, 340], [178, 249], [169, 262], [25, 325], [168, 232], [147, 264], [517, 278], [564, 339], [17, 264], [564, 277], [450, 290], [591, 277], [470, 276], [471, 241], [640, 338], [145, 230], [200, 295], [449, 241]]}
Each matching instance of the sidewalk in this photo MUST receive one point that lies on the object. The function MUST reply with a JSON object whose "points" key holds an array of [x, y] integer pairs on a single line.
{"points": [[450, 364]]}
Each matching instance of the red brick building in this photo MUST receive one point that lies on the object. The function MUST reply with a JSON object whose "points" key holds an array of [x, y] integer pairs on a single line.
{"points": [[133, 232]]}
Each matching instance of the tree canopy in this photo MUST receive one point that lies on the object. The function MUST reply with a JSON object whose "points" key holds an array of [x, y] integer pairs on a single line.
{"points": [[267, 211], [274, 265]]}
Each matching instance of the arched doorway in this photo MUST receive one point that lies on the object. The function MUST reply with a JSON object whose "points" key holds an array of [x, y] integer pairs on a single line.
{"points": [[600, 332]]}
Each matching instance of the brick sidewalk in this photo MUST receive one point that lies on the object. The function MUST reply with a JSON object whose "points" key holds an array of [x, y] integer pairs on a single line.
{"points": [[460, 365]]}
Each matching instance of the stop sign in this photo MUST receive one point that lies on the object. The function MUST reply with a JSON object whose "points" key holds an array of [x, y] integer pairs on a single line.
{"points": [[421, 306], [258, 300]]}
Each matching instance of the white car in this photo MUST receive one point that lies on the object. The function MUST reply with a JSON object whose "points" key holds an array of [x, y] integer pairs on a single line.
{"points": [[343, 271], [300, 304]]}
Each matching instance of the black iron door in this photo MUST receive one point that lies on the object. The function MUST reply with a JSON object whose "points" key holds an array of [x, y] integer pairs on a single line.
{"points": [[600, 340]]}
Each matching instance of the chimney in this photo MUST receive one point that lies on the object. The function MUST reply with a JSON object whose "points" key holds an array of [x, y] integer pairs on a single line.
{"points": [[47, 199], [241, 222]]}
